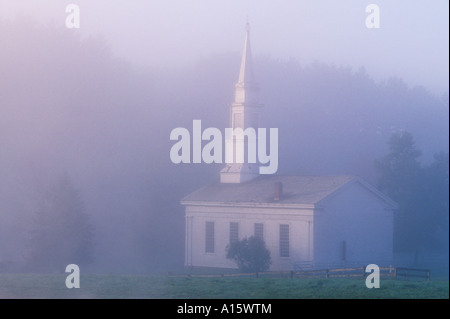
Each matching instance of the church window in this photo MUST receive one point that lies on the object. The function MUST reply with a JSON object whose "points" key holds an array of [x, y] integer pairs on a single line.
{"points": [[284, 240], [209, 237], [234, 232], [259, 230]]}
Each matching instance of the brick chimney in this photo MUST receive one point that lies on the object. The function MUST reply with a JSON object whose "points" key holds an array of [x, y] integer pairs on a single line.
{"points": [[278, 194]]}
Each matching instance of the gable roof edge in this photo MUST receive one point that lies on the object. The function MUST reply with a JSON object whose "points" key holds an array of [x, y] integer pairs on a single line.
{"points": [[393, 205]]}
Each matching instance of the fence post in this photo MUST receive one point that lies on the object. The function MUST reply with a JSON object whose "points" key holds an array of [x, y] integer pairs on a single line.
{"points": [[292, 274], [327, 274]]}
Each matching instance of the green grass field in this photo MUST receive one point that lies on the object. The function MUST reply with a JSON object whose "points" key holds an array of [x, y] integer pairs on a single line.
{"points": [[162, 287]]}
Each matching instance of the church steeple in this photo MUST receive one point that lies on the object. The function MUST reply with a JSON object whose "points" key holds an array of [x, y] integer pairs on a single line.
{"points": [[246, 71], [244, 114], [246, 87]]}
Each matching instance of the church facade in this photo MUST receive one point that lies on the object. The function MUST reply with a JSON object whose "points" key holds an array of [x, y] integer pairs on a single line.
{"points": [[305, 221]]}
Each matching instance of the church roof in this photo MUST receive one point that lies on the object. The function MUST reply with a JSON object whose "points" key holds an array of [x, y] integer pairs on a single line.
{"points": [[307, 190]]}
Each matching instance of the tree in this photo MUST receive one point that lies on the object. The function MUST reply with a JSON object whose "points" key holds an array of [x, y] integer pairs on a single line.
{"points": [[400, 168], [61, 232], [401, 174], [421, 192], [250, 254], [436, 191]]}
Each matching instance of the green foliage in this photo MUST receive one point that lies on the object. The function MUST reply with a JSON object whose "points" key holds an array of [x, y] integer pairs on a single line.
{"points": [[250, 254], [421, 192], [61, 232]]}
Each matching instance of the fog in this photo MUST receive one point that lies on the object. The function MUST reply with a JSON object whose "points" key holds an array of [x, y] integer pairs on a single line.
{"points": [[98, 104], [412, 42]]}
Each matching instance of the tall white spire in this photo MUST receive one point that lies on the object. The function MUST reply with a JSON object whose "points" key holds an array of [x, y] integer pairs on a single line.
{"points": [[244, 114], [246, 86], [246, 71]]}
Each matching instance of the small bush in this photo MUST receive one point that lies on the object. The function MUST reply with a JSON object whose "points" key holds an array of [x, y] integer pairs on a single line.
{"points": [[250, 254]]}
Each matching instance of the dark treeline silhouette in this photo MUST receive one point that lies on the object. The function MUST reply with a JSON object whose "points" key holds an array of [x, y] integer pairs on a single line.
{"points": [[61, 232], [68, 105], [421, 191]]}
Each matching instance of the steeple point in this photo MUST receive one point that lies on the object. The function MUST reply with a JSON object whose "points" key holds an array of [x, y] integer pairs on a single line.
{"points": [[246, 72]]}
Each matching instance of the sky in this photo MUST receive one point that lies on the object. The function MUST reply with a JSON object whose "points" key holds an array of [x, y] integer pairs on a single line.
{"points": [[412, 42]]}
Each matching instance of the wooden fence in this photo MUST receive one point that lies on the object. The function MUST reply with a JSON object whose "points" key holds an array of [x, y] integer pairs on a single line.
{"points": [[392, 272], [402, 273]]}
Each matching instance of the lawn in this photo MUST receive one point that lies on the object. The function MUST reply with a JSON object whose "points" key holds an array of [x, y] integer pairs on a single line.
{"points": [[162, 287]]}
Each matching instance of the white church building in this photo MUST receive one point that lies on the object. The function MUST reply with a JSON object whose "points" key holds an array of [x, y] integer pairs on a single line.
{"points": [[305, 221]]}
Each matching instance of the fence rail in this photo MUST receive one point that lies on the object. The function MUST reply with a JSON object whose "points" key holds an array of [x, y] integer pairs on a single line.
{"points": [[393, 272], [406, 273]]}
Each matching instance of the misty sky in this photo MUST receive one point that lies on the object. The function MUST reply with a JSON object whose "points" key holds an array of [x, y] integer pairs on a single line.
{"points": [[412, 43]]}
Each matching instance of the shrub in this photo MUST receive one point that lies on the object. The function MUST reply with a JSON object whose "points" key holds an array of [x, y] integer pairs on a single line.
{"points": [[250, 254]]}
